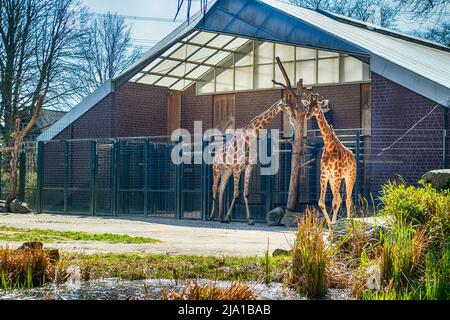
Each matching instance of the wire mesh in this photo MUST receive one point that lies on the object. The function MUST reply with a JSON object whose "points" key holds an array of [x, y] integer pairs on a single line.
{"points": [[137, 175]]}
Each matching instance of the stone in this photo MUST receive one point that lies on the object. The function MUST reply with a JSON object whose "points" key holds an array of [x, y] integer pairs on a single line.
{"points": [[372, 226], [373, 281], [290, 218], [439, 179], [280, 252], [34, 245], [274, 216], [17, 206]]}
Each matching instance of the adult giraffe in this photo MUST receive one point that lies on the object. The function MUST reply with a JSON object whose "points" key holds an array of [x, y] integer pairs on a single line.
{"points": [[337, 161], [236, 156]]}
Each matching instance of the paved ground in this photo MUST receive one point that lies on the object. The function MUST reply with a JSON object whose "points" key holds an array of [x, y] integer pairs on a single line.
{"points": [[178, 237]]}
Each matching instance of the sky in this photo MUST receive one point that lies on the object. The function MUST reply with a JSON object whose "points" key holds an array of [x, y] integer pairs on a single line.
{"points": [[146, 33]]}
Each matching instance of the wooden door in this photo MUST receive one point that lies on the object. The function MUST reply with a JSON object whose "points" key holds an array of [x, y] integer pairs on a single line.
{"points": [[224, 111], [173, 111]]}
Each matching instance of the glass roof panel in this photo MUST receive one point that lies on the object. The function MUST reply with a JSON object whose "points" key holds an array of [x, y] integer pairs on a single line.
{"points": [[182, 69], [182, 84], [166, 81], [172, 49], [219, 56], [184, 52], [152, 64], [202, 38], [149, 79], [136, 77], [220, 41], [236, 43], [198, 72], [202, 55], [165, 66]]}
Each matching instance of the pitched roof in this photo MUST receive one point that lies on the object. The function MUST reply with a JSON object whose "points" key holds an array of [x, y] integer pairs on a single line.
{"points": [[419, 65]]}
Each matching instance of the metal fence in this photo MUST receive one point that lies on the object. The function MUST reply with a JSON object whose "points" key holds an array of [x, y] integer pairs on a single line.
{"points": [[136, 176]]}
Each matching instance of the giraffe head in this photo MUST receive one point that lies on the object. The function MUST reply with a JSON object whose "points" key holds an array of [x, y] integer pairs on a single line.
{"points": [[315, 106]]}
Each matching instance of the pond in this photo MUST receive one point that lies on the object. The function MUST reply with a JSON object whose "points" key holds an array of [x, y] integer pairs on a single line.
{"points": [[117, 289]]}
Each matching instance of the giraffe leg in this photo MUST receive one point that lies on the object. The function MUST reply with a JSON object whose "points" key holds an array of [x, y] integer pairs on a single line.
{"points": [[248, 175], [236, 177], [349, 184], [214, 192], [223, 184], [337, 200], [323, 191]]}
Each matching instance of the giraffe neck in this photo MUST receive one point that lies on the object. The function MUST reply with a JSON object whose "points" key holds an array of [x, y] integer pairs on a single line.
{"points": [[261, 121], [325, 130]]}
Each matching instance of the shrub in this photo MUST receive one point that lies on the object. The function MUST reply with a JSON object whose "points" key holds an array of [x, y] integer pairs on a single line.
{"points": [[310, 256], [419, 206], [403, 255], [26, 268], [195, 291]]}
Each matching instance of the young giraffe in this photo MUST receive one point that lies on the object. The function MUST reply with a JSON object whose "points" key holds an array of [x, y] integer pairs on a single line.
{"points": [[235, 157], [337, 162]]}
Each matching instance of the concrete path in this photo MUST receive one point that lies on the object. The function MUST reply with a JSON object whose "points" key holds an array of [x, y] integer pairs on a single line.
{"points": [[178, 237]]}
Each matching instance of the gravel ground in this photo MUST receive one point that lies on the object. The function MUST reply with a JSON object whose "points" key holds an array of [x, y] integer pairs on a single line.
{"points": [[178, 237]]}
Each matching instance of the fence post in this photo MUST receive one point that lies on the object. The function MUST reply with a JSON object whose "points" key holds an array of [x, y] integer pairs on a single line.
{"points": [[93, 176], [146, 164], [269, 178], [444, 151], [66, 175], [179, 184], [114, 182], [205, 181], [40, 175], [357, 151], [22, 174], [1, 172]]}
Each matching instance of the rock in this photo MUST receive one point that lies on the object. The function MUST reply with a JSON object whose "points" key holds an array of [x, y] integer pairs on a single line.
{"points": [[17, 206], [274, 216], [373, 281], [31, 246], [372, 227], [280, 252], [439, 179], [290, 218]]}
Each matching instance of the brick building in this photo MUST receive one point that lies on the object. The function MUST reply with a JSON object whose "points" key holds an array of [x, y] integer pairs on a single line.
{"points": [[218, 69]]}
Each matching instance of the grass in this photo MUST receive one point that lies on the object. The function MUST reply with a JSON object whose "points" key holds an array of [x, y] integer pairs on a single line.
{"points": [[160, 266], [196, 291], [27, 268], [43, 235], [310, 257]]}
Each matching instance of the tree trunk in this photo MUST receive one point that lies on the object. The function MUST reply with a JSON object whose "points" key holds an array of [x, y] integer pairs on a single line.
{"points": [[14, 151], [297, 150]]}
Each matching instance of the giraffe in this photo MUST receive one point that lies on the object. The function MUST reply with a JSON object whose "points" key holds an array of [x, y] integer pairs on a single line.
{"points": [[337, 162], [235, 157]]}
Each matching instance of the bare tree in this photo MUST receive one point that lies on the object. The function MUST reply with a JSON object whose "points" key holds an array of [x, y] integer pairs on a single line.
{"points": [[298, 114], [380, 12], [104, 51], [35, 40], [439, 34], [424, 8]]}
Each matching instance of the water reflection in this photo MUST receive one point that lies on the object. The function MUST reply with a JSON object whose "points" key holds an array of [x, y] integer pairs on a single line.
{"points": [[117, 289]]}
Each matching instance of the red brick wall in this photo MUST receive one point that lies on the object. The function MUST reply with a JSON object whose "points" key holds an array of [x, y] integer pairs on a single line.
{"points": [[140, 110], [95, 123], [250, 104], [194, 108], [395, 109], [345, 101]]}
